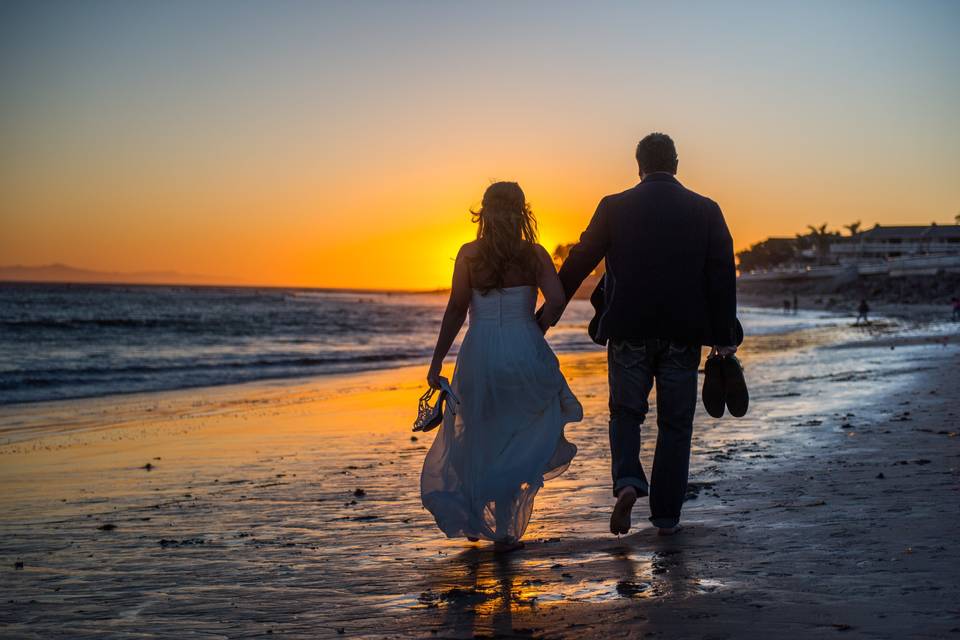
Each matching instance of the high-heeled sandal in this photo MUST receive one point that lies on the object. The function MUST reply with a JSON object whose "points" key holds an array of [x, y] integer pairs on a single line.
{"points": [[430, 416]]}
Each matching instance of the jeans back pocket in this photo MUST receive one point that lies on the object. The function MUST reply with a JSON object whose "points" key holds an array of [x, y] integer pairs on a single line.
{"points": [[627, 353], [684, 356]]}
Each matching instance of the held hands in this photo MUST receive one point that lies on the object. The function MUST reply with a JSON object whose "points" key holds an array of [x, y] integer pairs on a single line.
{"points": [[542, 320], [539, 317], [723, 351], [544, 325]]}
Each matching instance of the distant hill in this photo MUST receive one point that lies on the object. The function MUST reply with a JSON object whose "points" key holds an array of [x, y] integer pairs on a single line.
{"points": [[67, 274]]}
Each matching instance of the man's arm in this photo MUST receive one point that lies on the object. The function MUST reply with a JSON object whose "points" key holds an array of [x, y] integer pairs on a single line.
{"points": [[721, 280], [586, 254]]}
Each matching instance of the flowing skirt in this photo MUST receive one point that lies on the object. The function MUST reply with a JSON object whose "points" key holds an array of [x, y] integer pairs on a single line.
{"points": [[489, 460]]}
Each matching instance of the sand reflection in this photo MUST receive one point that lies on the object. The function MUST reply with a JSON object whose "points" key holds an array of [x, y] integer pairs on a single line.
{"points": [[477, 591]]}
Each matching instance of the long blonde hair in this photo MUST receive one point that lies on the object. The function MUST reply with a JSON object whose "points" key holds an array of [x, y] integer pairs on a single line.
{"points": [[507, 233]]}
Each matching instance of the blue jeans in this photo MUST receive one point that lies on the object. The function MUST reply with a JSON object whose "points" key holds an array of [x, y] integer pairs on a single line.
{"points": [[634, 366]]}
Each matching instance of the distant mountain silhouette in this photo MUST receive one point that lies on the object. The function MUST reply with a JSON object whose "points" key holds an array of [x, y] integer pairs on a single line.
{"points": [[67, 274]]}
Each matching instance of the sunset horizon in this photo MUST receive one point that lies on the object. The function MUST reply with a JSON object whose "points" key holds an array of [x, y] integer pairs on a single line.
{"points": [[172, 276]]}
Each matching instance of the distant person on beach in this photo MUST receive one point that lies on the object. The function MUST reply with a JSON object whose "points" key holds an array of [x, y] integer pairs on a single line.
{"points": [[670, 287], [956, 309], [786, 306], [503, 434], [796, 304], [862, 312]]}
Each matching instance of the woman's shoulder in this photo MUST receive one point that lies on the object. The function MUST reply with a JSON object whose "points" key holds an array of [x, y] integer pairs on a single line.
{"points": [[542, 253], [469, 249]]}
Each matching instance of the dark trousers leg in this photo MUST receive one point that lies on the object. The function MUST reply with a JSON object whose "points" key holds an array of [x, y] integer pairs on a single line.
{"points": [[676, 376], [631, 378]]}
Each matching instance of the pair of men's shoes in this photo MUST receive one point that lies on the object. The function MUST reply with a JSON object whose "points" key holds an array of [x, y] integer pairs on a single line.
{"points": [[724, 386]]}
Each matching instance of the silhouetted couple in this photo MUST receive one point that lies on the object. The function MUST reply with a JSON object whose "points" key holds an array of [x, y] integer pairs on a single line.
{"points": [[669, 289]]}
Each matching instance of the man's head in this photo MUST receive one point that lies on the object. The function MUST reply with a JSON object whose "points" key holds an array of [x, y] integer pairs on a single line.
{"points": [[656, 153]]}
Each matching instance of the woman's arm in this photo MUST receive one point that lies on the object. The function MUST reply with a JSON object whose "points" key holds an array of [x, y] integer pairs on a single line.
{"points": [[453, 317], [549, 283]]}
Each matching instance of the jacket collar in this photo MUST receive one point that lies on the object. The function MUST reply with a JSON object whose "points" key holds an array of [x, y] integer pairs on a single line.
{"points": [[660, 176]]}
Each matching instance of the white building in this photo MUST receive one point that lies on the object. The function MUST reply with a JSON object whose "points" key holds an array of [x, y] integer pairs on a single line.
{"points": [[884, 243]]}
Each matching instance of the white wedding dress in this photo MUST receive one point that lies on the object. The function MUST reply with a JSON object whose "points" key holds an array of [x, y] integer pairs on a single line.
{"points": [[488, 461]]}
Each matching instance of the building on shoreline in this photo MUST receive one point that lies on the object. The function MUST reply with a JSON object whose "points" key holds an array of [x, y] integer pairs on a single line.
{"points": [[883, 243], [881, 251]]}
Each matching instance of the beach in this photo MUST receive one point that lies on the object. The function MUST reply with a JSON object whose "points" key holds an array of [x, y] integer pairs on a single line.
{"points": [[291, 508], [236, 239]]}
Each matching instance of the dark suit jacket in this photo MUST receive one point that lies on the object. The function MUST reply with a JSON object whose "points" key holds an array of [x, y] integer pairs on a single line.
{"points": [[669, 260]]}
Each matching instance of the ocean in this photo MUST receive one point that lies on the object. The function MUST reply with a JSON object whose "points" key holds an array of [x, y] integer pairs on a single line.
{"points": [[60, 341]]}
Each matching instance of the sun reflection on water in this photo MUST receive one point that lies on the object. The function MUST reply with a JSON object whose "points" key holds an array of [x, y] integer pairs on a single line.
{"points": [[477, 590]]}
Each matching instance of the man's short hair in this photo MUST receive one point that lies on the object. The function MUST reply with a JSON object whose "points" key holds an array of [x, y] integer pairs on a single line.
{"points": [[656, 152]]}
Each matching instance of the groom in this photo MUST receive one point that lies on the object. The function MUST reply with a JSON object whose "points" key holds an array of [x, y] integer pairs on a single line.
{"points": [[670, 287]]}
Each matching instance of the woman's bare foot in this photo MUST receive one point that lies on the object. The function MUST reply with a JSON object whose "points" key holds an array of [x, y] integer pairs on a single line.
{"points": [[669, 531], [506, 546], [620, 518]]}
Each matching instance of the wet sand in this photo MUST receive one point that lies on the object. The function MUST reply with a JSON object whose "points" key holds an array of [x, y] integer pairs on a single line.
{"points": [[293, 509]]}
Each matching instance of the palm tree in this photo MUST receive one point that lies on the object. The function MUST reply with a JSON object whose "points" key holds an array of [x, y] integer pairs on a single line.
{"points": [[853, 228], [821, 240]]}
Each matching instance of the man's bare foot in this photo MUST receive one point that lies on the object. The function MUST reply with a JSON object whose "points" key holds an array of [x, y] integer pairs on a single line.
{"points": [[669, 531], [506, 546], [620, 518]]}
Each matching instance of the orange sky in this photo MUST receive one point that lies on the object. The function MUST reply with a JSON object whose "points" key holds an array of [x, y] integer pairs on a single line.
{"points": [[342, 146]]}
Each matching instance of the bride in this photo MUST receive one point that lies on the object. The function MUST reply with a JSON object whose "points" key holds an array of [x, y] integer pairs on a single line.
{"points": [[504, 435]]}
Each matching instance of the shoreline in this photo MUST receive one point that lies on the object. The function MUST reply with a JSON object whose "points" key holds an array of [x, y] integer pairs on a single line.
{"points": [[72, 412], [293, 508], [846, 306], [919, 317]]}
